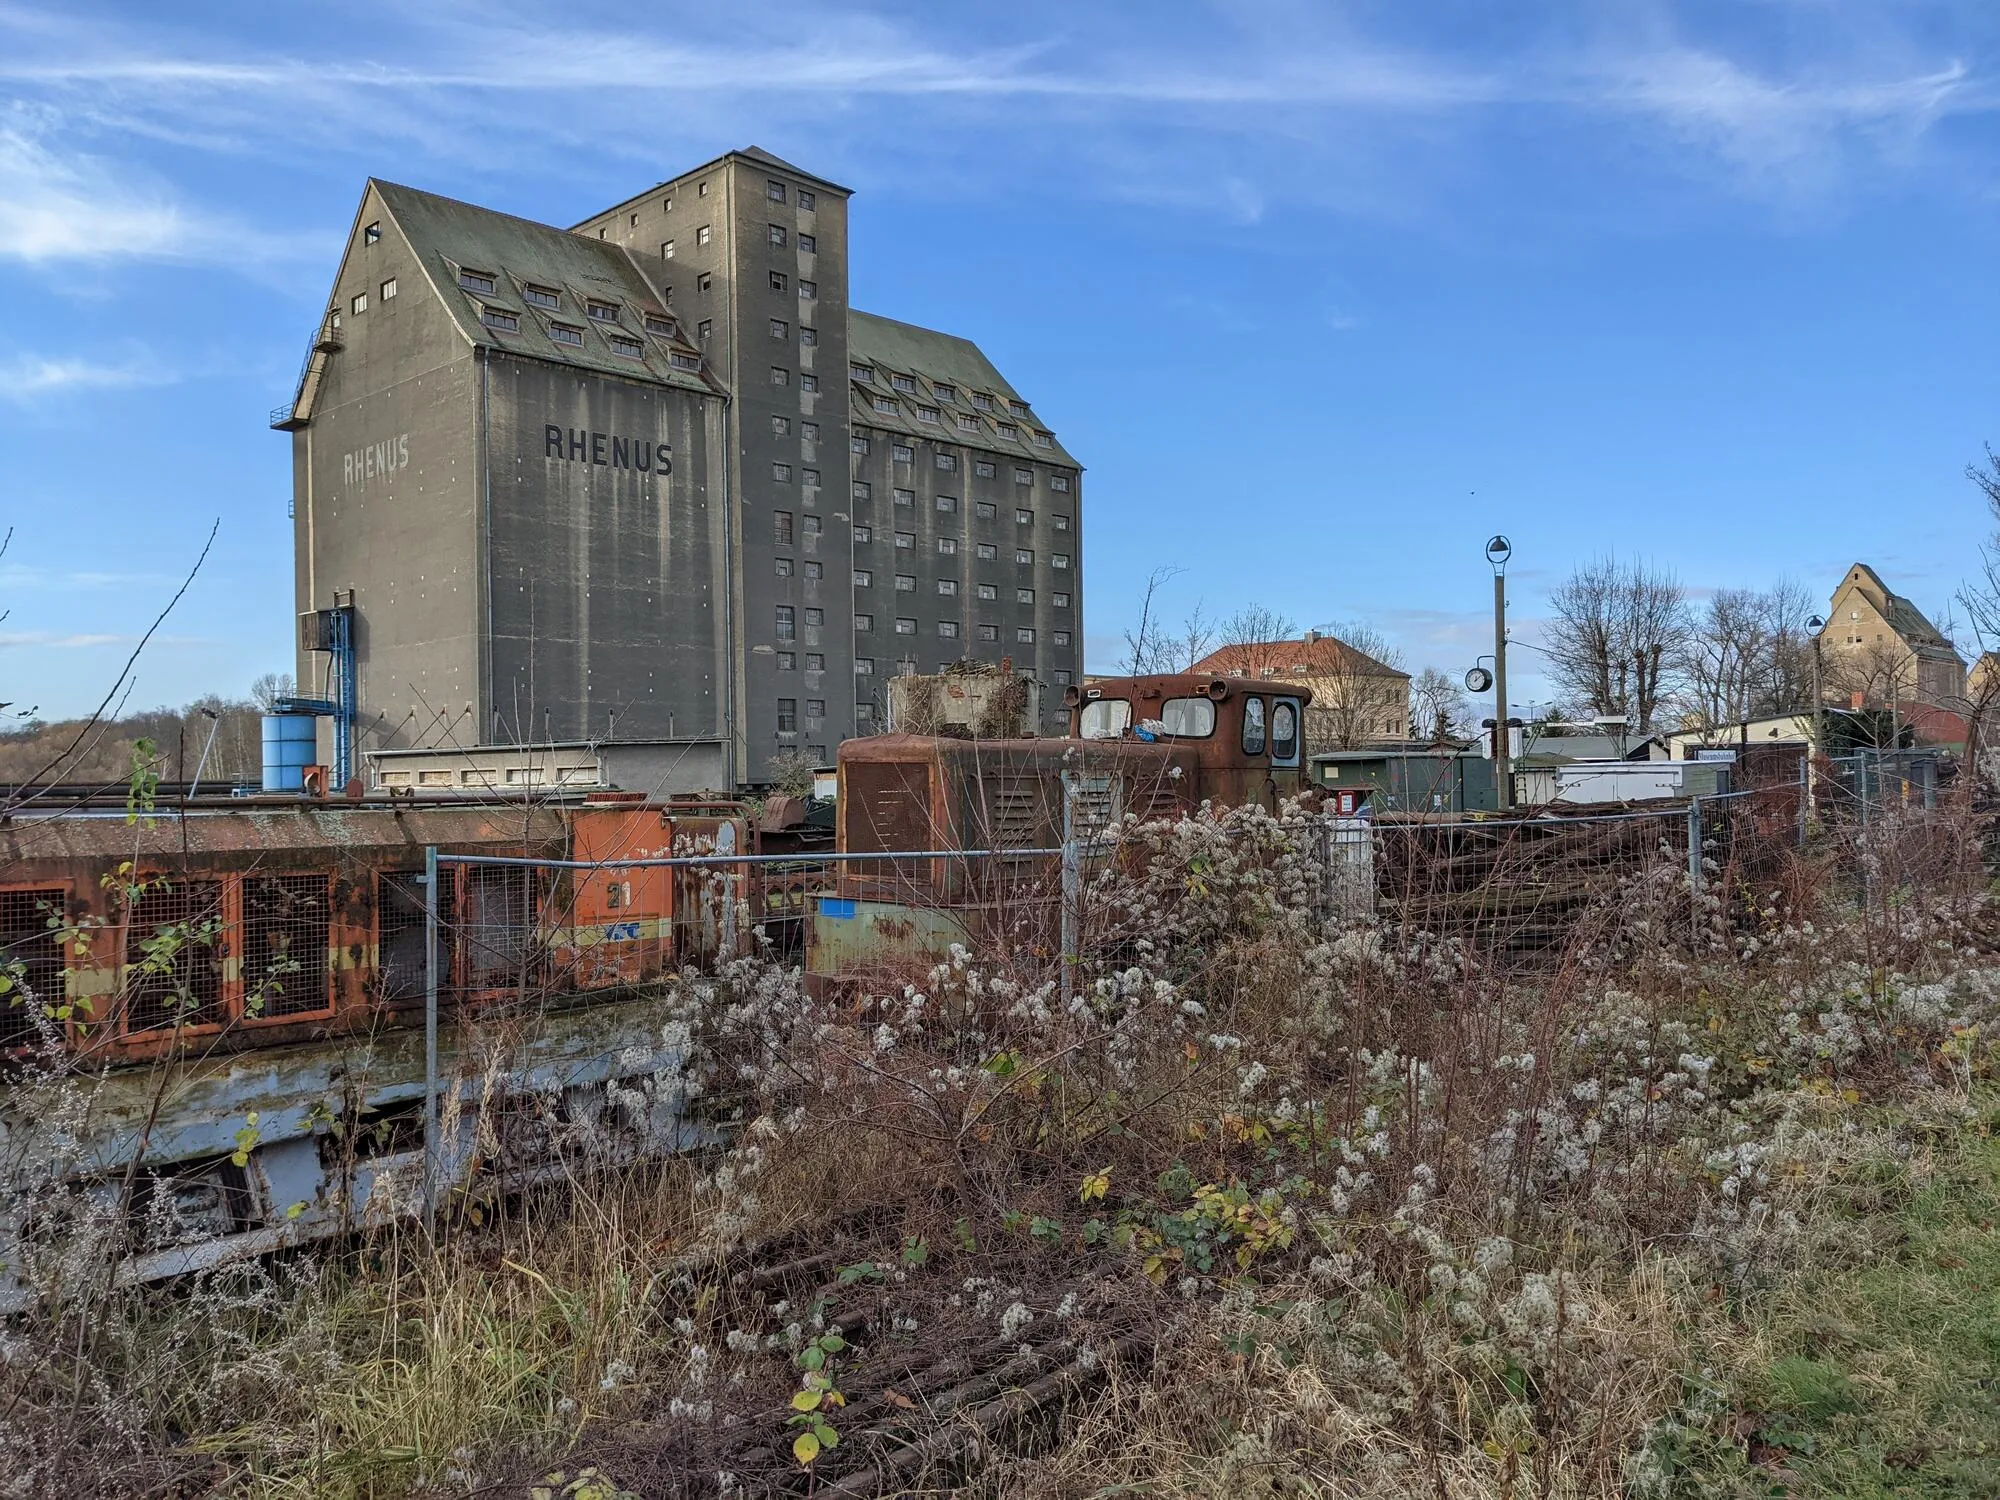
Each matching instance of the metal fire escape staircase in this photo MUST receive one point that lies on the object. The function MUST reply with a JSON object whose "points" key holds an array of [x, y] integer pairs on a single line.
{"points": [[299, 412]]}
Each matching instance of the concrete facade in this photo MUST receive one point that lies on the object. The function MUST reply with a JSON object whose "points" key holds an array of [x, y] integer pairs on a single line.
{"points": [[514, 587]]}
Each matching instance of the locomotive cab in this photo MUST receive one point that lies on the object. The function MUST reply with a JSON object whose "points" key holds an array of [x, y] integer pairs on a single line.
{"points": [[1248, 734]]}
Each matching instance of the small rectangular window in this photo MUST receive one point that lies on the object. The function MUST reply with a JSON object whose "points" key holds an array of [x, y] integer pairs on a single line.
{"points": [[780, 329], [944, 392], [947, 546], [809, 432], [787, 661], [906, 583], [1024, 476], [863, 490], [984, 468], [1018, 408], [810, 479], [704, 281], [864, 624], [809, 382], [967, 422], [948, 587], [1024, 518], [1024, 556], [814, 617], [948, 629], [1059, 521], [788, 716], [781, 427], [1010, 432], [986, 510], [781, 473], [809, 337], [1059, 483], [563, 333], [541, 296], [788, 623], [372, 233], [906, 497], [1059, 561], [987, 591], [903, 453], [667, 204], [685, 361], [948, 504], [904, 383], [808, 244], [924, 413], [864, 666], [983, 403], [813, 569], [388, 289], [1061, 601], [1061, 637], [1045, 440], [807, 199], [494, 317], [781, 527], [630, 348], [906, 541], [1062, 678], [780, 375], [476, 281], [863, 373], [906, 627], [987, 552], [857, 444], [704, 330], [775, 191], [603, 312], [777, 233], [666, 250], [863, 533], [885, 405], [948, 462], [815, 708], [808, 290], [1024, 634], [778, 281], [863, 579], [701, 237], [1024, 596], [358, 303], [784, 566], [989, 632], [659, 327]]}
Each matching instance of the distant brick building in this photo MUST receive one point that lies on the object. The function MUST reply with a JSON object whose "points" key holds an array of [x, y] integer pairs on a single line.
{"points": [[1356, 701], [1879, 650]]}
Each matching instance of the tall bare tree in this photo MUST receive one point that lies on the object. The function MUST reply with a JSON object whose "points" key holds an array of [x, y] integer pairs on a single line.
{"points": [[1617, 637], [1439, 709], [1254, 635], [1156, 646], [1360, 696]]}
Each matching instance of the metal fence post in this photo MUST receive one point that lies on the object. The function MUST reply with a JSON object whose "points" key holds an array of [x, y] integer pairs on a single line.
{"points": [[430, 1037], [1072, 888], [1694, 846]]}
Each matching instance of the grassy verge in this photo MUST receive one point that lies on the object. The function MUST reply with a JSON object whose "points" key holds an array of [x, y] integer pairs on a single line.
{"points": [[1879, 1376]]}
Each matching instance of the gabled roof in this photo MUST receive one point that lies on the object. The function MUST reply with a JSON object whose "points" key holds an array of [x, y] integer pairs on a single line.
{"points": [[448, 236], [932, 358], [757, 154], [1904, 618], [1317, 656]]}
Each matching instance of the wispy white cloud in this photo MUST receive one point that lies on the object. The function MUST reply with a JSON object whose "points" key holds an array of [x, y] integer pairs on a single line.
{"points": [[29, 377]]}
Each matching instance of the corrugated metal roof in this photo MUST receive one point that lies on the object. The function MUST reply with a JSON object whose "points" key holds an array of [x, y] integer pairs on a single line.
{"points": [[449, 237], [931, 358]]}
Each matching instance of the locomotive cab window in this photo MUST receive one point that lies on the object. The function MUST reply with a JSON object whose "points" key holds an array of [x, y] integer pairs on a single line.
{"points": [[1285, 732], [1253, 726], [1188, 718], [1105, 718]]}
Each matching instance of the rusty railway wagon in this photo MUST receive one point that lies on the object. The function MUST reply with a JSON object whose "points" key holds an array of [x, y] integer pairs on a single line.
{"points": [[1153, 747], [240, 991]]}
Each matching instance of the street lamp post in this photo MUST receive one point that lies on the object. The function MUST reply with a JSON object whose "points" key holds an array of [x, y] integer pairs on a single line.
{"points": [[1498, 550]]}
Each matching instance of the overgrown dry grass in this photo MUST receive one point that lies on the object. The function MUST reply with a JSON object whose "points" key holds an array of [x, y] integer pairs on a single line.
{"points": [[1693, 1207]]}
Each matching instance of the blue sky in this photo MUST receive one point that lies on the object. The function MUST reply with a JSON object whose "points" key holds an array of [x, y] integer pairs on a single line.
{"points": [[1322, 294]]}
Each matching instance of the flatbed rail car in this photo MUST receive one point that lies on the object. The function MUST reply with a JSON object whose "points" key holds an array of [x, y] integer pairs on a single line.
{"points": [[1153, 747], [216, 975]]}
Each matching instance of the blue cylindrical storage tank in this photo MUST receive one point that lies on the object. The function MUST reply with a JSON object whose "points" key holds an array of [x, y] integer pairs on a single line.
{"points": [[291, 743]]}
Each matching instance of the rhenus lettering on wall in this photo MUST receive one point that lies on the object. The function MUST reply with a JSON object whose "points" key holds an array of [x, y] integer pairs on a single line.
{"points": [[607, 450], [376, 460]]}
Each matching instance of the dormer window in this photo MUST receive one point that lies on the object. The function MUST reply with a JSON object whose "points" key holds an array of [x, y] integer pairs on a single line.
{"points": [[476, 281], [983, 403], [564, 333], [1018, 408], [927, 414], [541, 296], [628, 347], [659, 326], [686, 361], [946, 392], [903, 383], [863, 373], [500, 318], [603, 312]]}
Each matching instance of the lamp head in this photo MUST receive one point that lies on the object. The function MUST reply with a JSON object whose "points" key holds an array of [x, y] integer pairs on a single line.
{"points": [[1498, 550]]}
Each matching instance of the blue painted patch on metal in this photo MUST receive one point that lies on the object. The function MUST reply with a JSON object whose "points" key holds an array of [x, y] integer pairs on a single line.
{"points": [[838, 910]]}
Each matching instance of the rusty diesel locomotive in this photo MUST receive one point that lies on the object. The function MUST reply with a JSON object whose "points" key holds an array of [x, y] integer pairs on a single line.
{"points": [[239, 990]]}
